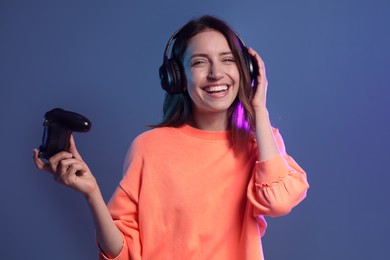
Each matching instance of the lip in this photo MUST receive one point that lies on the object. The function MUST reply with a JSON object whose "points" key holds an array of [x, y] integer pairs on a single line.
{"points": [[217, 94], [216, 86]]}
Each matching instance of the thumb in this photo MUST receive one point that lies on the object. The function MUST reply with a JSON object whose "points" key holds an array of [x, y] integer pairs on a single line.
{"points": [[73, 149]]}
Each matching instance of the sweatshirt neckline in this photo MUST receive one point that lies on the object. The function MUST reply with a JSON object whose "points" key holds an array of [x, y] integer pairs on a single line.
{"points": [[203, 134]]}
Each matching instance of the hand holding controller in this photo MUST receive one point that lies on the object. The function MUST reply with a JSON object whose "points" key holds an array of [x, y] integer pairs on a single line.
{"points": [[58, 127]]}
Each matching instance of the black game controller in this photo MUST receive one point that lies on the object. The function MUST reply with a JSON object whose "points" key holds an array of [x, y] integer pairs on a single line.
{"points": [[58, 127]]}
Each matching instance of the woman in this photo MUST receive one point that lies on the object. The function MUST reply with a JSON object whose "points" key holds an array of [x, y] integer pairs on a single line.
{"points": [[198, 185]]}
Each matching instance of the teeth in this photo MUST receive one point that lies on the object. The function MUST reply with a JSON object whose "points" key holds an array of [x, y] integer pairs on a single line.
{"points": [[216, 88]]}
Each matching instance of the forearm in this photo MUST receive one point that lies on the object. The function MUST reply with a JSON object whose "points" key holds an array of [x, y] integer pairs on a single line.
{"points": [[109, 237], [264, 135]]}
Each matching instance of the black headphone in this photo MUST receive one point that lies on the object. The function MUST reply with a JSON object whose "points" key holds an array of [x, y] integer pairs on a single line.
{"points": [[172, 74]]}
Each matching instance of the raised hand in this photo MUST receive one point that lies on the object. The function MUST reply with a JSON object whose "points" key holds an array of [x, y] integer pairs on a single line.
{"points": [[68, 168], [260, 97]]}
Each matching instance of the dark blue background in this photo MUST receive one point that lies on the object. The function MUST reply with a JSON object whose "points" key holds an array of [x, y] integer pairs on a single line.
{"points": [[328, 69]]}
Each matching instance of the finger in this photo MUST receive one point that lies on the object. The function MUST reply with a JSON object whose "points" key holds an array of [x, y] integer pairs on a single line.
{"points": [[62, 169], [64, 164], [259, 61], [73, 148], [69, 177], [61, 156], [38, 161], [262, 77], [57, 158]]}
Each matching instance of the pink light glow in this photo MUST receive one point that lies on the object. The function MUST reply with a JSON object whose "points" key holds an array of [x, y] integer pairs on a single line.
{"points": [[239, 118]]}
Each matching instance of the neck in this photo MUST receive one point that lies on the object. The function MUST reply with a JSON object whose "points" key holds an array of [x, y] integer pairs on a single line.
{"points": [[210, 121]]}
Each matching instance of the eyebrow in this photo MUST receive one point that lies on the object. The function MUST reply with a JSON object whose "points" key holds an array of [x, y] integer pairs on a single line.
{"points": [[206, 55]]}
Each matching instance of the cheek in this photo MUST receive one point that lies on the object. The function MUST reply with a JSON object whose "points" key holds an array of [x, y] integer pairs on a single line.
{"points": [[190, 84], [236, 78], [235, 74], [193, 79]]}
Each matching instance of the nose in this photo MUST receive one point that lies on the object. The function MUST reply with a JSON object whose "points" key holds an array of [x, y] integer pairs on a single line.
{"points": [[215, 72]]}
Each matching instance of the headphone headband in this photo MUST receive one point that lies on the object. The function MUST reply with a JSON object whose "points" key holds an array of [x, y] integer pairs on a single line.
{"points": [[170, 42]]}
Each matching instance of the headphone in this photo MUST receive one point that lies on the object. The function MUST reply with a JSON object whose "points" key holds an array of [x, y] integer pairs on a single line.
{"points": [[172, 76]]}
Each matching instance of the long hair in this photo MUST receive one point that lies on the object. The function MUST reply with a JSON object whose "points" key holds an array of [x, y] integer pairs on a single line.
{"points": [[178, 107]]}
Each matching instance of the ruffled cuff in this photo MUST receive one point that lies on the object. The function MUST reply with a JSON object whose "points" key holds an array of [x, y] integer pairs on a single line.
{"points": [[278, 185], [271, 171]]}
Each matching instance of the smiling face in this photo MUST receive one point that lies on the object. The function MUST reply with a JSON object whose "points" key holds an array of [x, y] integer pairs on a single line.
{"points": [[212, 74]]}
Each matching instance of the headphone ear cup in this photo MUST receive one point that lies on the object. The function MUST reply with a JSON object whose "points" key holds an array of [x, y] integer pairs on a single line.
{"points": [[251, 65], [171, 77], [178, 83]]}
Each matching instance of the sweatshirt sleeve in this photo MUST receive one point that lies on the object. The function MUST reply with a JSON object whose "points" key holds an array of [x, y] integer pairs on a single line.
{"points": [[123, 207], [278, 184]]}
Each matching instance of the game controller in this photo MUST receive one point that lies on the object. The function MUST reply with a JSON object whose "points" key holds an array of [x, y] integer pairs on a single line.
{"points": [[58, 127]]}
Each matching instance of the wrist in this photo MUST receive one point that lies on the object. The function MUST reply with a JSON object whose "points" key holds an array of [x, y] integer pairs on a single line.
{"points": [[93, 196], [259, 108], [261, 111]]}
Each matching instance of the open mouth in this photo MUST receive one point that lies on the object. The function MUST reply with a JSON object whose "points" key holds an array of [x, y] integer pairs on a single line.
{"points": [[216, 89]]}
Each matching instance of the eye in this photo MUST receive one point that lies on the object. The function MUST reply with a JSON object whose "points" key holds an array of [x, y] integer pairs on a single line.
{"points": [[229, 60], [196, 63]]}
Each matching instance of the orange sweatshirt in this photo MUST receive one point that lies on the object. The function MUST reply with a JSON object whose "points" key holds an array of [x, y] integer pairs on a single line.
{"points": [[185, 194]]}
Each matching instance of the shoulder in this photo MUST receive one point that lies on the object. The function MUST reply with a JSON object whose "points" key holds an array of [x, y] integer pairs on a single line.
{"points": [[149, 142], [155, 134], [154, 137]]}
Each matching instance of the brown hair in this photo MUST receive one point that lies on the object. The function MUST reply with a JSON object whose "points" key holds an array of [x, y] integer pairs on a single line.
{"points": [[178, 107]]}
